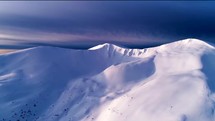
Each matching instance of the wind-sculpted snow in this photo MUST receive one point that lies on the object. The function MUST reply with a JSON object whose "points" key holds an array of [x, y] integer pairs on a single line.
{"points": [[172, 82]]}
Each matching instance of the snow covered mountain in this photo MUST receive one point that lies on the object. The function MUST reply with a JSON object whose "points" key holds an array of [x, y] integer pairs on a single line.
{"points": [[171, 82]]}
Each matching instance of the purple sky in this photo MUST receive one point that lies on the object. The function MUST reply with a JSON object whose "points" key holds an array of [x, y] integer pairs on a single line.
{"points": [[84, 24]]}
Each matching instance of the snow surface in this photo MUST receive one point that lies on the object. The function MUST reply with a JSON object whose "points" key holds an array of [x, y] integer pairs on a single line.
{"points": [[171, 82]]}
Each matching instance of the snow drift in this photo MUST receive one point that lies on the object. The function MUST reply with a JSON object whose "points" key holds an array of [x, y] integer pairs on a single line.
{"points": [[171, 82]]}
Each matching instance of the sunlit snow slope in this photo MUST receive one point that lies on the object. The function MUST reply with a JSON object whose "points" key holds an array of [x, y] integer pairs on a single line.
{"points": [[171, 82]]}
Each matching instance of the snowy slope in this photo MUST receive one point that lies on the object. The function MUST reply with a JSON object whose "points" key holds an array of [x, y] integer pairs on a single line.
{"points": [[171, 82]]}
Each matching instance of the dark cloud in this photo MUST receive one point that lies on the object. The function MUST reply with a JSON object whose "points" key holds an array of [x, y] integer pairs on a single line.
{"points": [[133, 24]]}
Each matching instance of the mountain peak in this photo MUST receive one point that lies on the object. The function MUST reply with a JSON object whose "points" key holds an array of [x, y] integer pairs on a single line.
{"points": [[193, 41], [187, 44], [105, 45]]}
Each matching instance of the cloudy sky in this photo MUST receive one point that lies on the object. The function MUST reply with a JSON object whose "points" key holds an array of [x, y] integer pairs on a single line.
{"points": [[84, 24]]}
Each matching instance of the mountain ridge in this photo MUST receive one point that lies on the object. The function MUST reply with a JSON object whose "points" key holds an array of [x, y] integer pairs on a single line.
{"points": [[173, 81], [190, 41]]}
